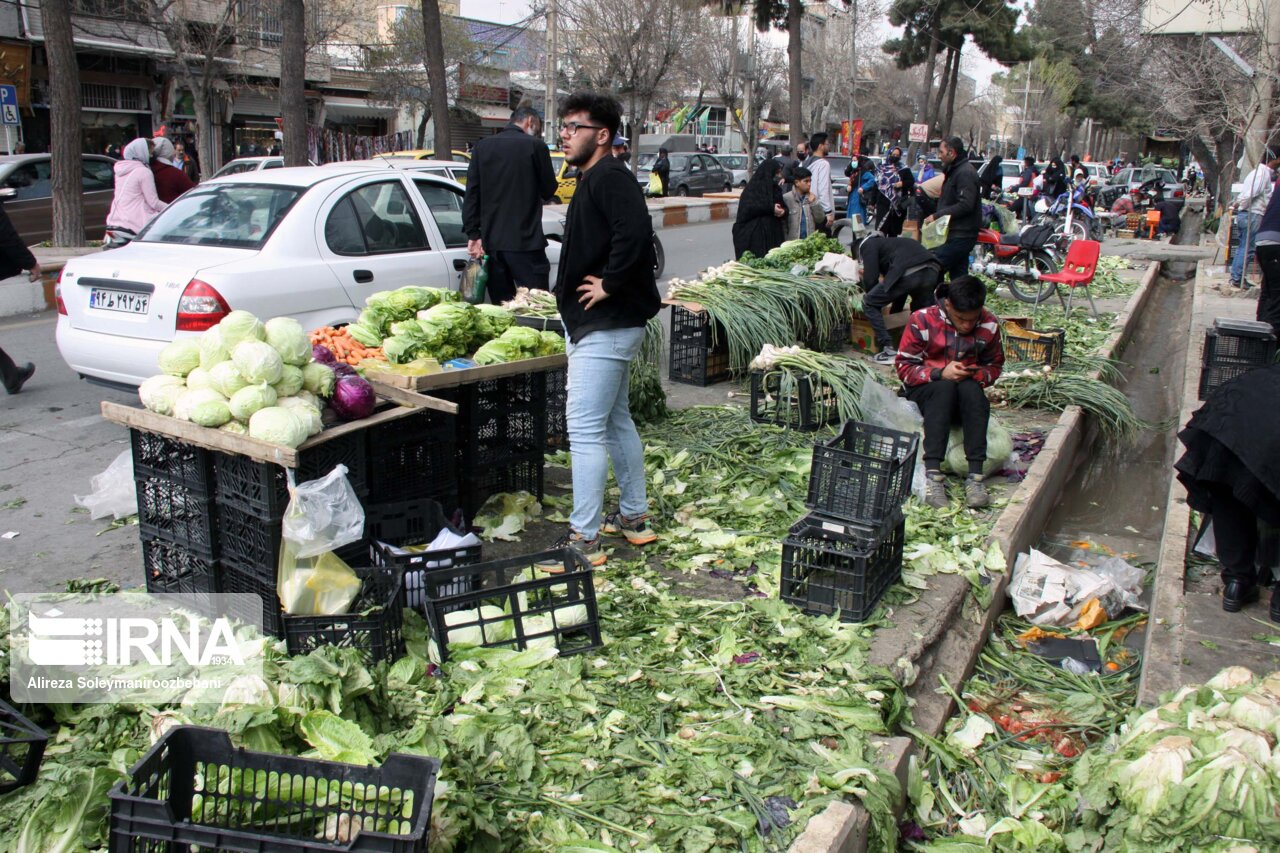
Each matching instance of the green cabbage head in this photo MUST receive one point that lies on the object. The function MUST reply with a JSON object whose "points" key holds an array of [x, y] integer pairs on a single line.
{"points": [[290, 381], [159, 393], [258, 362], [226, 379], [287, 337], [180, 357], [239, 326], [278, 426], [212, 349], [250, 399]]}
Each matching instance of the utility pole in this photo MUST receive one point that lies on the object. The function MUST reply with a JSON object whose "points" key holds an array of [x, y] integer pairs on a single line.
{"points": [[853, 76], [552, 73], [736, 80], [749, 85], [1026, 92]]}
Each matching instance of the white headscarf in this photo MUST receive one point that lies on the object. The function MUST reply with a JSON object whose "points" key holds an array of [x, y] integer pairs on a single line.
{"points": [[137, 150], [164, 151]]}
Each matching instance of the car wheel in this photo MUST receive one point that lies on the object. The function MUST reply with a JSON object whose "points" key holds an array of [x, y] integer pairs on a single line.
{"points": [[682, 191], [728, 188]]}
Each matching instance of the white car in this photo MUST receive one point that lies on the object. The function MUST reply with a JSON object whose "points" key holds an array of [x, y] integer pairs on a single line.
{"points": [[308, 243], [250, 164], [738, 165]]}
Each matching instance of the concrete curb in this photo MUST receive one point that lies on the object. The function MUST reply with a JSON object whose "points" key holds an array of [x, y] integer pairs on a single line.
{"points": [[842, 827], [1163, 648]]}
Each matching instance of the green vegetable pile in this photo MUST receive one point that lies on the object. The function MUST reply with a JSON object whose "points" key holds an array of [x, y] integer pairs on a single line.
{"points": [[533, 303], [392, 306], [426, 322], [699, 726], [758, 307], [1034, 386], [647, 397], [519, 342], [243, 376], [806, 253], [1107, 280], [834, 383]]}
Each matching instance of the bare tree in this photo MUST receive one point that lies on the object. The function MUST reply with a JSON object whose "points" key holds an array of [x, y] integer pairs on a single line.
{"points": [[399, 66], [293, 84], [628, 48], [64, 124], [740, 77], [434, 53]]}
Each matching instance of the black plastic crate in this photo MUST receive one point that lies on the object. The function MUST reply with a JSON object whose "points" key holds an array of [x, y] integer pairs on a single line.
{"points": [[417, 523], [250, 540], [829, 567], [372, 623], [165, 458], [482, 399], [260, 487], [1044, 347], [22, 745], [233, 577], [414, 457], [1227, 356], [477, 485], [542, 324], [836, 340], [557, 409], [499, 436], [527, 607], [193, 788], [863, 474], [698, 350], [173, 568], [804, 409], [169, 510]]}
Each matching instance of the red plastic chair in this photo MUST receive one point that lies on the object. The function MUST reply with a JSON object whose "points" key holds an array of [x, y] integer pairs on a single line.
{"points": [[1077, 271]]}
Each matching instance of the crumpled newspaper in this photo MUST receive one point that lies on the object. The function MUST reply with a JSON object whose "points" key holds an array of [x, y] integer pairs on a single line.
{"points": [[1047, 592], [841, 266]]}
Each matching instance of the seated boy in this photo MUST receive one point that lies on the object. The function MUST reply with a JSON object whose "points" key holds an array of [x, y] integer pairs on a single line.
{"points": [[804, 213], [948, 354]]}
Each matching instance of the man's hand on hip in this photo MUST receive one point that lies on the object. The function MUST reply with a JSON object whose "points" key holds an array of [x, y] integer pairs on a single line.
{"points": [[475, 248], [592, 290]]}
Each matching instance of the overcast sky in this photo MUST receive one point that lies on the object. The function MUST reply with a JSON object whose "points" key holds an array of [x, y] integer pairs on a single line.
{"points": [[510, 11]]}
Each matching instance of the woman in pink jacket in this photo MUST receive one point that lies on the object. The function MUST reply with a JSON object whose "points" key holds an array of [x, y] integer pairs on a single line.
{"points": [[135, 201]]}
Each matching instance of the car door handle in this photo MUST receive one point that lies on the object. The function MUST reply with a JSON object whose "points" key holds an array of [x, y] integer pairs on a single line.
{"points": [[459, 264], [362, 276]]}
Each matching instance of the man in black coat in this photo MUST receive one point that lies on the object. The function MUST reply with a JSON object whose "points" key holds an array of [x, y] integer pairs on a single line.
{"points": [[509, 178], [961, 201], [894, 268], [606, 294], [14, 258], [662, 168]]}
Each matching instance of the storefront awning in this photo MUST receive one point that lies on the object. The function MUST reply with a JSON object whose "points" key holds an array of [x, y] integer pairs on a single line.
{"points": [[348, 108], [491, 115]]}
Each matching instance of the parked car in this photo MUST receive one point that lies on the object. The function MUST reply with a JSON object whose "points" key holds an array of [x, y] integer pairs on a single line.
{"points": [[1128, 180], [306, 243], [425, 154], [31, 205], [692, 174], [739, 165], [566, 178], [250, 164], [1096, 173]]}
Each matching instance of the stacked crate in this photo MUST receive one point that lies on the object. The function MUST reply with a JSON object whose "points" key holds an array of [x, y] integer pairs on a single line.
{"points": [[177, 517], [699, 351], [844, 555], [1232, 348]]}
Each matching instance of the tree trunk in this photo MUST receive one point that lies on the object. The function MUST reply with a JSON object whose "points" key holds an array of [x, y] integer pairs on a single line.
{"points": [[951, 93], [436, 78], [293, 81], [930, 66], [935, 113], [64, 124], [422, 129], [204, 131], [1227, 152], [795, 46]]}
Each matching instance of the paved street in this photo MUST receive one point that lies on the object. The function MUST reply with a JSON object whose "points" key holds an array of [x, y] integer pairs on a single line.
{"points": [[54, 441]]}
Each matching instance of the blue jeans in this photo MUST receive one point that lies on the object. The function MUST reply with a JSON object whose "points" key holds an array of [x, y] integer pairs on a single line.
{"points": [[953, 255], [600, 427], [1246, 233]]}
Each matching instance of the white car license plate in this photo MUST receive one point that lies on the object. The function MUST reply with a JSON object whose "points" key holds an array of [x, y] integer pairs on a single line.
{"points": [[119, 300]]}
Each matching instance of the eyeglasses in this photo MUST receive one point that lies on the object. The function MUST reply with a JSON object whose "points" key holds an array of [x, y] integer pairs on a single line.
{"points": [[572, 127]]}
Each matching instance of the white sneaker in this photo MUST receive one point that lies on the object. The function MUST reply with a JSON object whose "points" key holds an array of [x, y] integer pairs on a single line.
{"points": [[888, 355]]}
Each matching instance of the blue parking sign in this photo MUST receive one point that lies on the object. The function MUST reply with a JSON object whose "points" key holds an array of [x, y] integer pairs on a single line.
{"points": [[9, 105]]}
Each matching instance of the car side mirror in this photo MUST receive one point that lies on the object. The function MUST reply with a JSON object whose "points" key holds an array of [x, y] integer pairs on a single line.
{"points": [[8, 192]]}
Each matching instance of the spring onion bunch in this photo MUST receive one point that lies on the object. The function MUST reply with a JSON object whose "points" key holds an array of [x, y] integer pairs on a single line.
{"points": [[647, 397], [835, 381], [1034, 386], [533, 303], [758, 307]]}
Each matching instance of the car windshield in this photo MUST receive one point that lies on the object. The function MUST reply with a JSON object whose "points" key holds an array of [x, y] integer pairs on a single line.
{"points": [[646, 160], [241, 216], [734, 162]]}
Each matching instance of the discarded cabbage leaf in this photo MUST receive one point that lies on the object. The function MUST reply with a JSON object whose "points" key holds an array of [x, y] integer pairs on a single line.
{"points": [[505, 515]]}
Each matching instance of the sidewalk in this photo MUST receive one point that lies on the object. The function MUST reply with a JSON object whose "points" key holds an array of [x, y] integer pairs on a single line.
{"points": [[1190, 637]]}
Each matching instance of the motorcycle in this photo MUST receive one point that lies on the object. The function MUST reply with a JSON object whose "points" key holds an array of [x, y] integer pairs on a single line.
{"points": [[1070, 216], [117, 237], [1017, 260]]}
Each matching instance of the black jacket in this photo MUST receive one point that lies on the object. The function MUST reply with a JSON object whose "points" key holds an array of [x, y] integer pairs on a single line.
{"points": [[607, 233], [961, 200], [890, 258], [756, 229], [662, 168], [14, 254], [509, 178]]}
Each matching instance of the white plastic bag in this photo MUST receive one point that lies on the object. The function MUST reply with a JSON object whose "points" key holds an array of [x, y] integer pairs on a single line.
{"points": [[323, 515], [883, 408], [841, 266], [114, 492]]}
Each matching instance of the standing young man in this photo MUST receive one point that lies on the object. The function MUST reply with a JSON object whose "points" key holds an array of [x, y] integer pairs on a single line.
{"points": [[606, 293], [963, 203], [948, 355], [820, 170], [509, 178]]}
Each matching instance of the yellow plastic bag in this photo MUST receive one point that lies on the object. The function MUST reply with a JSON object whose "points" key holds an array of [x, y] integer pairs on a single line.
{"points": [[323, 585], [934, 234], [655, 184]]}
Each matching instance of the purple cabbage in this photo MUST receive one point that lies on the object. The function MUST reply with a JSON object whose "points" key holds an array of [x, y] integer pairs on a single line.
{"points": [[321, 353], [341, 369], [353, 398]]}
